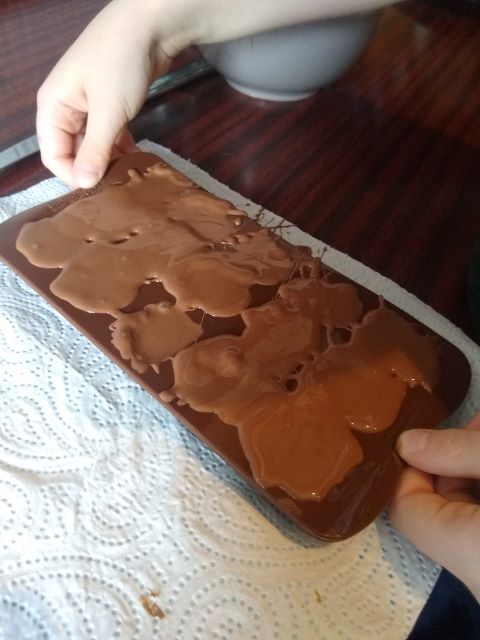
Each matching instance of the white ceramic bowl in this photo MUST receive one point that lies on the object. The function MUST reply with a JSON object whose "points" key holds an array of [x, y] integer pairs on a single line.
{"points": [[293, 62]]}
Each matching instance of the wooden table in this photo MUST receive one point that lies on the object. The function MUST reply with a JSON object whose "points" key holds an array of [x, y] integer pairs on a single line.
{"points": [[385, 165]]}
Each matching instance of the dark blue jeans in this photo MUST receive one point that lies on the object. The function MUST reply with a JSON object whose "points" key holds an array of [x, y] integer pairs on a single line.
{"points": [[451, 613]]}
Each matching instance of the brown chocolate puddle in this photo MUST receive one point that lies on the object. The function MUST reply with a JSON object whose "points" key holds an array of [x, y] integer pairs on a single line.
{"points": [[294, 395], [157, 227], [310, 369]]}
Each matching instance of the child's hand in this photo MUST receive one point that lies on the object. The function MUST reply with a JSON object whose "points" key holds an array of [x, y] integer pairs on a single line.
{"points": [[437, 504], [105, 74]]}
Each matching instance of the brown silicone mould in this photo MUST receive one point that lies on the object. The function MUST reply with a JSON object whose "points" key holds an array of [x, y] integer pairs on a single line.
{"points": [[352, 504]]}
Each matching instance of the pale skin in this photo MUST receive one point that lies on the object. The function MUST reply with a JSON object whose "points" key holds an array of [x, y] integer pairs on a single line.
{"points": [[101, 82], [437, 501], [84, 106]]}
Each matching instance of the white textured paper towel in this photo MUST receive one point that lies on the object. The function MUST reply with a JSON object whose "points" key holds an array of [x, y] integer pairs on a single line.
{"points": [[105, 498]]}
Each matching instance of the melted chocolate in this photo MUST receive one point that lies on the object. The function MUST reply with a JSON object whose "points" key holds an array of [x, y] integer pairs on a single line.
{"points": [[283, 371], [150, 336], [294, 394], [156, 227], [290, 389]]}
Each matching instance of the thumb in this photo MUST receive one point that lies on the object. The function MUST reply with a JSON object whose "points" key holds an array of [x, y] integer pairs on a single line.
{"points": [[446, 531], [95, 151], [451, 452]]}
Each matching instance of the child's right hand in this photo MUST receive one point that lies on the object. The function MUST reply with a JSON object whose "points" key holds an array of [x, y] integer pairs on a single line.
{"points": [[101, 82], [104, 75], [437, 502]]}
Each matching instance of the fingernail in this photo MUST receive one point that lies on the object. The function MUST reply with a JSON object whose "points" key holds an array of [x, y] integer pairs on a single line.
{"points": [[413, 441], [86, 177]]}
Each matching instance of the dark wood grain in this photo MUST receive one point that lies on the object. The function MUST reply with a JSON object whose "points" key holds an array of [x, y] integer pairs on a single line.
{"points": [[33, 34], [383, 165]]}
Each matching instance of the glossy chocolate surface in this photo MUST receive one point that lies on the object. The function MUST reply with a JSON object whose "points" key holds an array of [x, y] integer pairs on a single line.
{"points": [[408, 377]]}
